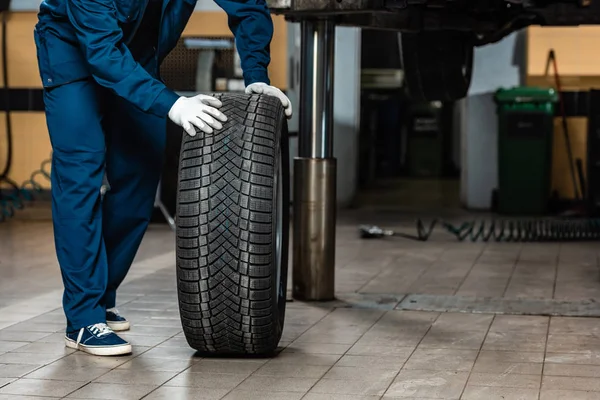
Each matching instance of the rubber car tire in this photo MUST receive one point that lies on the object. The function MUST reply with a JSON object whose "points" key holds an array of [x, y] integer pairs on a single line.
{"points": [[437, 66], [232, 211]]}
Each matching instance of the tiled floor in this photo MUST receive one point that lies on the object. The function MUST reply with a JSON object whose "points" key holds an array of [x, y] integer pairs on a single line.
{"points": [[358, 348]]}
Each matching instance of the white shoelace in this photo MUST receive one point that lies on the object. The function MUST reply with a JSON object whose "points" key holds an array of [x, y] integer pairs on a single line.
{"points": [[100, 330]]}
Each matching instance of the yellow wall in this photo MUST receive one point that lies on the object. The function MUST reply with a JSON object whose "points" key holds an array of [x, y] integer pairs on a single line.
{"points": [[578, 63], [31, 143]]}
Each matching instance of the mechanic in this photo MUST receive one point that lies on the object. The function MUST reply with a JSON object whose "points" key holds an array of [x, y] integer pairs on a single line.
{"points": [[106, 111]]}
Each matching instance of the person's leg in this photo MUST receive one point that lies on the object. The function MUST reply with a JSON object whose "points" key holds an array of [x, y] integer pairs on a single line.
{"points": [[74, 114], [135, 151]]}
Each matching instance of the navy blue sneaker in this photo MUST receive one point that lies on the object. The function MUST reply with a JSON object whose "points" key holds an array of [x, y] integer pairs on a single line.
{"points": [[115, 321], [97, 339]]}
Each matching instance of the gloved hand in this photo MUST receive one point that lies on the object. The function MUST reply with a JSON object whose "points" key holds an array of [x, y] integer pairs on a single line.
{"points": [[263, 88], [199, 112]]}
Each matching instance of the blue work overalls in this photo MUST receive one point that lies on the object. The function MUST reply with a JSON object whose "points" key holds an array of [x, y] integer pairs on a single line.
{"points": [[106, 110]]}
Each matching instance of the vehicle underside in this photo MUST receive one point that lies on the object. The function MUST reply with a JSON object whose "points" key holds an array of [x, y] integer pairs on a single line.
{"points": [[438, 36]]}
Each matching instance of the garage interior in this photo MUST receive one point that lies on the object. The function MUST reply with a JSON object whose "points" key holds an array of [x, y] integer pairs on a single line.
{"points": [[440, 318]]}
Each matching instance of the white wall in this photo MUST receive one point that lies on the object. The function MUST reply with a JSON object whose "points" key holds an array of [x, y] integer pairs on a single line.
{"points": [[496, 65]]}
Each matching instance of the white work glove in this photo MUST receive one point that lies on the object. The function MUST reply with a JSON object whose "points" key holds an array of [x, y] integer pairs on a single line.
{"points": [[263, 88], [199, 112]]}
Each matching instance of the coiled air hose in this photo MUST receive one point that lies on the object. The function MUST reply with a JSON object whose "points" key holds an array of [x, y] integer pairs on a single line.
{"points": [[12, 196], [500, 230]]}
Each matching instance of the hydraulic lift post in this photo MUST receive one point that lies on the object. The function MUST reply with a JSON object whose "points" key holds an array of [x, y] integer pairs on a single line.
{"points": [[314, 216]]}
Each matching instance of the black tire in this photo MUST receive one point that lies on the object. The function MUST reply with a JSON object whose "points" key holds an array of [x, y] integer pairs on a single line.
{"points": [[437, 65], [232, 212]]}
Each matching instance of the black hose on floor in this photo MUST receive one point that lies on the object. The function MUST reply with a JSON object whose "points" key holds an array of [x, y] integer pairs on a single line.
{"points": [[500, 230]]}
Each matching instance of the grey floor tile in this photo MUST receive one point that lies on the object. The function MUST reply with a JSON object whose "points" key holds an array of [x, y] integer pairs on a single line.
{"points": [[320, 396], [428, 384], [82, 360], [505, 380], [305, 359], [568, 395], [463, 322], [460, 340], [142, 363], [207, 380], [442, 359], [136, 377], [504, 362], [588, 358], [519, 323], [277, 384], [22, 336], [571, 383], [590, 371], [361, 373], [572, 343], [60, 372], [185, 393], [262, 395], [147, 341], [32, 387], [386, 362], [53, 348], [352, 387], [6, 381], [16, 370], [292, 370], [498, 393], [317, 348], [112, 391], [515, 341], [176, 353], [575, 326], [29, 358], [6, 346], [371, 350], [226, 366]]}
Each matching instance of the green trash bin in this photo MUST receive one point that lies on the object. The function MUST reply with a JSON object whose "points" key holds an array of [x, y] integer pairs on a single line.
{"points": [[526, 124]]}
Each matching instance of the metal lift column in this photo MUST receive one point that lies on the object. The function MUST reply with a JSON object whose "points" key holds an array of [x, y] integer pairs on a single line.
{"points": [[314, 216]]}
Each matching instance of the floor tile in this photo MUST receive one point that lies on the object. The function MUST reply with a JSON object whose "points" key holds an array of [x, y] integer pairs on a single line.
{"points": [[277, 384], [16, 370], [60, 372], [361, 373], [142, 363], [320, 396], [428, 384], [17, 397], [22, 336], [54, 348], [590, 371], [305, 359], [520, 323], [317, 348], [136, 377], [6, 346], [442, 359], [441, 339], [386, 362], [352, 387], [207, 380], [463, 322], [262, 395], [505, 380], [568, 395], [376, 351], [515, 341], [6, 381], [29, 358], [31, 387], [571, 383], [293, 370], [112, 391], [185, 393], [226, 367], [588, 358], [499, 393], [505, 362], [572, 343]]}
